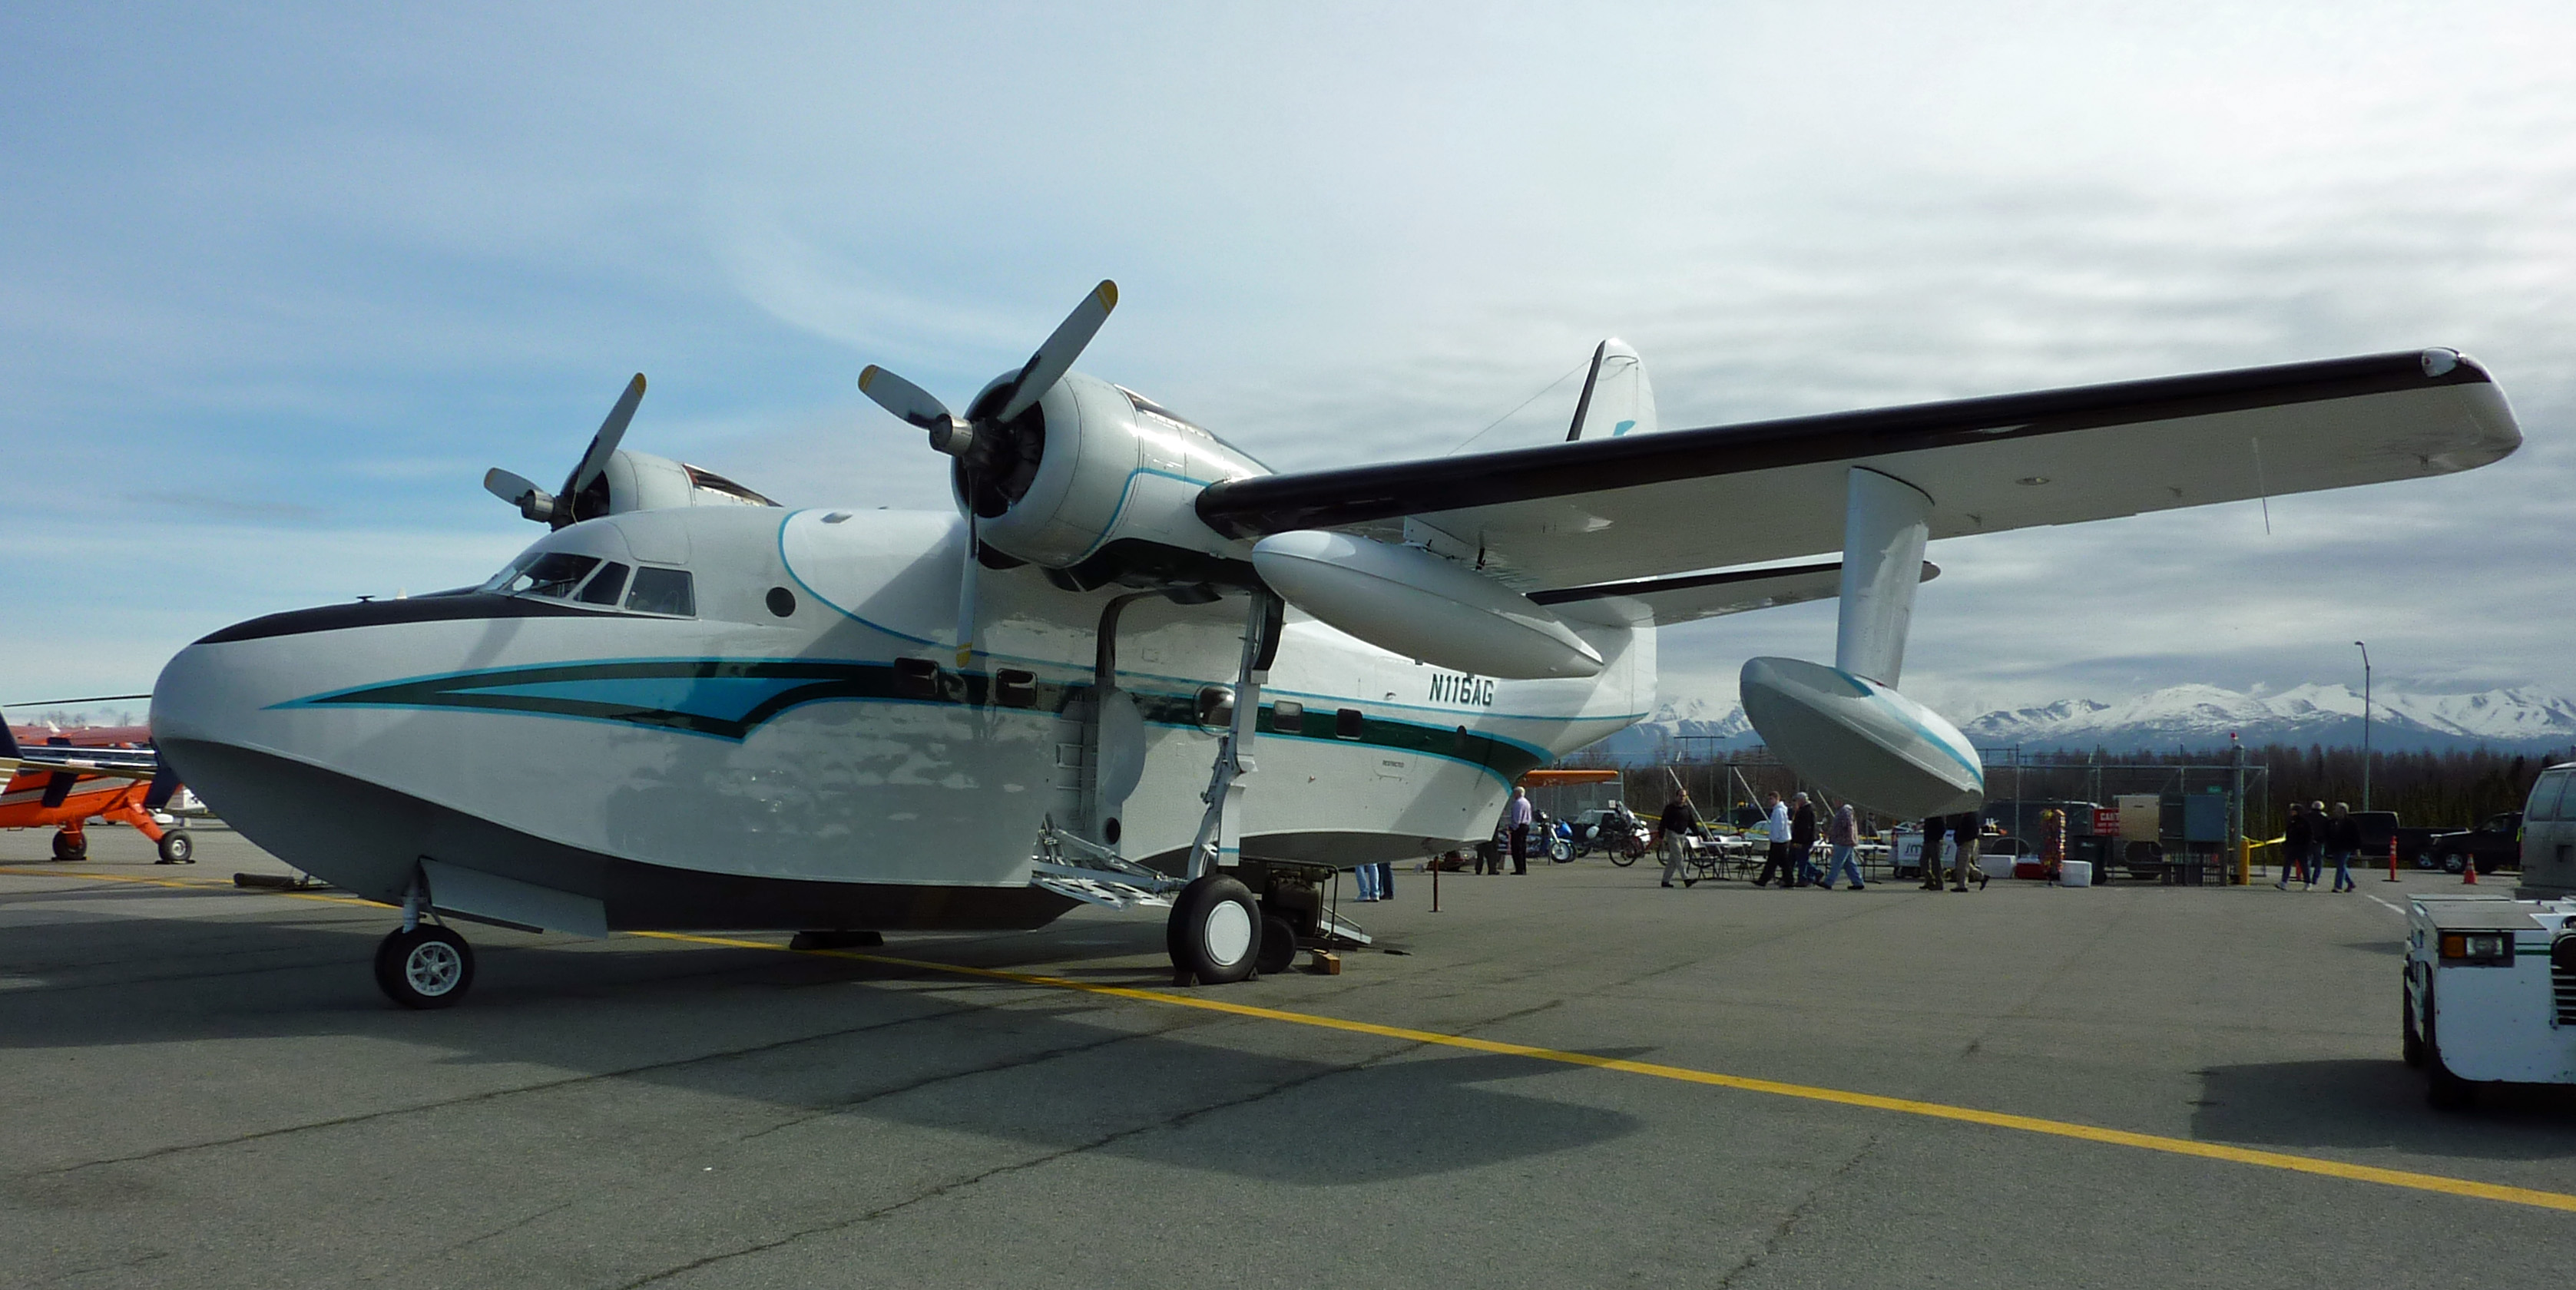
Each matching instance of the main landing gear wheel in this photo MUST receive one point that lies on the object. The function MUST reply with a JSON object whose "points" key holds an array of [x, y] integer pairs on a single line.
{"points": [[1215, 931], [70, 846], [1278, 951], [426, 967], [177, 849]]}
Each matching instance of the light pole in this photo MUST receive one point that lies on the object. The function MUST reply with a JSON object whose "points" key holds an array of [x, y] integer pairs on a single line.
{"points": [[2365, 725]]}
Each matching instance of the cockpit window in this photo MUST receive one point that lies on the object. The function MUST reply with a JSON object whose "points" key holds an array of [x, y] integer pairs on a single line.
{"points": [[553, 576], [501, 581], [663, 591], [604, 586]]}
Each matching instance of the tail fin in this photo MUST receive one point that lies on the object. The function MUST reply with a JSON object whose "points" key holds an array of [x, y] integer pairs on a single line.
{"points": [[1617, 400]]}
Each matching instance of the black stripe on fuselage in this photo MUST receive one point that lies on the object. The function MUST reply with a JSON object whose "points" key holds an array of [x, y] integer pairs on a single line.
{"points": [[444, 607]]}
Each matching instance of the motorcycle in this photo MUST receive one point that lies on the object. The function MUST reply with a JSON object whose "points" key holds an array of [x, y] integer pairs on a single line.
{"points": [[1551, 837], [1626, 846]]}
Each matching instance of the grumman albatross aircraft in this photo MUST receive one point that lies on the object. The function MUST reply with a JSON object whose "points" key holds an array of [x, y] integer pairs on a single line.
{"points": [[1140, 668]]}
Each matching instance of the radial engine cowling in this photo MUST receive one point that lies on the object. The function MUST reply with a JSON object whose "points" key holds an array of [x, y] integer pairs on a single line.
{"points": [[1098, 484]]}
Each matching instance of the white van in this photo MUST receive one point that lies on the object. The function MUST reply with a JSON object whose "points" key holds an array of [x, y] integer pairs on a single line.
{"points": [[2549, 837]]}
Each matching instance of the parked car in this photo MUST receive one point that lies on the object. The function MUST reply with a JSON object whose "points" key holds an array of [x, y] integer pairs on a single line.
{"points": [[2495, 844]]}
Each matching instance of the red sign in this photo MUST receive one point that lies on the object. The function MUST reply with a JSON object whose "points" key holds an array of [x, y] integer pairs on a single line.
{"points": [[2106, 821]]}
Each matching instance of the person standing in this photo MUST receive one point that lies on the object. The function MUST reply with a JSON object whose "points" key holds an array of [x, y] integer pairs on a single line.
{"points": [[1963, 834], [1936, 829], [1776, 828], [1843, 835], [2052, 843], [2343, 838], [1802, 842], [1521, 816], [2294, 843], [1679, 821], [2316, 840]]}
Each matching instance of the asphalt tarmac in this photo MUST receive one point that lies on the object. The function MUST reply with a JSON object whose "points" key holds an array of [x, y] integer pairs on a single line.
{"points": [[1573, 1078]]}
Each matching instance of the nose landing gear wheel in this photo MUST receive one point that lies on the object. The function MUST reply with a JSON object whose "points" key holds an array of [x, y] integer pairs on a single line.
{"points": [[1215, 933], [426, 967], [70, 846], [177, 849]]}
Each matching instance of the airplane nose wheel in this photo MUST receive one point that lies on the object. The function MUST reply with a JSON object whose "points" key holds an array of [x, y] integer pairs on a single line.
{"points": [[1215, 930], [426, 967]]}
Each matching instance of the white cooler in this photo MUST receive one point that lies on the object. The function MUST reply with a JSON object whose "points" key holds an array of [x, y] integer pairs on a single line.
{"points": [[2075, 873]]}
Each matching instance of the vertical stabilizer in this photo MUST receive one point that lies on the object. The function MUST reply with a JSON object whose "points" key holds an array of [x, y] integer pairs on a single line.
{"points": [[1617, 399]]}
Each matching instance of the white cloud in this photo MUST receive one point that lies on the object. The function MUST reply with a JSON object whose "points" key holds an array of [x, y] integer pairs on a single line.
{"points": [[338, 262]]}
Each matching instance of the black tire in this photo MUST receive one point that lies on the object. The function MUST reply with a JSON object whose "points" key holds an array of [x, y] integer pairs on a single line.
{"points": [[426, 967], [1560, 850], [2410, 1045], [177, 848], [1623, 857], [1278, 951], [70, 847], [1215, 931], [2450, 862]]}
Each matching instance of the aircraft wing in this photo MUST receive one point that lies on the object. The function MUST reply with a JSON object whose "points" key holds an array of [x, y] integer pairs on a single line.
{"points": [[1588, 512], [1707, 595]]}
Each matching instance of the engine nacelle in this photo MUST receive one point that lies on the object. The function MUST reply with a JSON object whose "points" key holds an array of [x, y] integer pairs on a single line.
{"points": [[1099, 484], [1408, 601], [1862, 740], [640, 481]]}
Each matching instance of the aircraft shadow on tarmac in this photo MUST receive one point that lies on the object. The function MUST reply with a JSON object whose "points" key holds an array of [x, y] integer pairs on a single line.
{"points": [[818, 1044], [2355, 1103]]}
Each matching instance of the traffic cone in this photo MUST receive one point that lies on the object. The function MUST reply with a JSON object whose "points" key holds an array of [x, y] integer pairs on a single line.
{"points": [[2468, 871]]}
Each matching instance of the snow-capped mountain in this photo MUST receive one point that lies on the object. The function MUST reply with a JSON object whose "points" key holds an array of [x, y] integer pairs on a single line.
{"points": [[2192, 716]]}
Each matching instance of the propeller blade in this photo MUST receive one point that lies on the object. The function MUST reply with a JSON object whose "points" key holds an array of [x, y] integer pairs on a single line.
{"points": [[601, 445], [903, 398], [916, 405], [1055, 357], [520, 491], [966, 585]]}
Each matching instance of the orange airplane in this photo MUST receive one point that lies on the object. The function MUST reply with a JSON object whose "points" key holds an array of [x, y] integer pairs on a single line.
{"points": [[66, 782]]}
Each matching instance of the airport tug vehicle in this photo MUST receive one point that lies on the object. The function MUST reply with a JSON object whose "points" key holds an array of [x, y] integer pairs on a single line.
{"points": [[2490, 993]]}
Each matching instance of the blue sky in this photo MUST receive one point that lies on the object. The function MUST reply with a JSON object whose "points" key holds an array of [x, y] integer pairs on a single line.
{"points": [[276, 288]]}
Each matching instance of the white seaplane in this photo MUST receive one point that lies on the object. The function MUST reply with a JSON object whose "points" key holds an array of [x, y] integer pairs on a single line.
{"points": [[1138, 667]]}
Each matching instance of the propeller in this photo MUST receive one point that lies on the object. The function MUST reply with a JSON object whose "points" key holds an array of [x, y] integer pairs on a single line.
{"points": [[559, 507], [985, 451]]}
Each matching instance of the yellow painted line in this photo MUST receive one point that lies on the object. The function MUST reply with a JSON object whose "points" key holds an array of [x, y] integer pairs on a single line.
{"points": [[2412, 1181], [1840, 1097]]}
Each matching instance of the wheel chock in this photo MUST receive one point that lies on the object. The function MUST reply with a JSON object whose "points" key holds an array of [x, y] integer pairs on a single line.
{"points": [[1326, 963]]}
